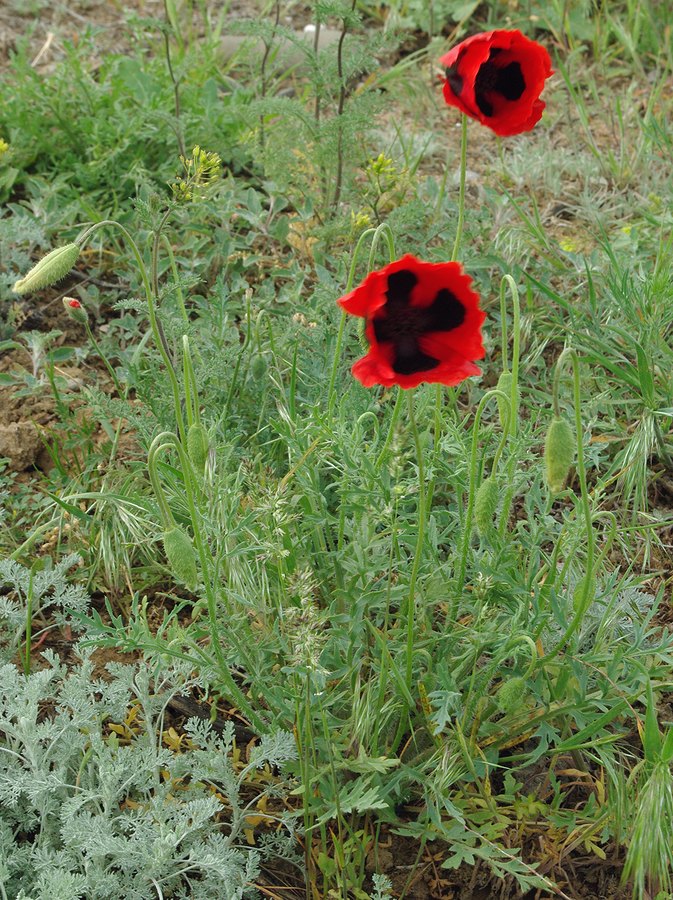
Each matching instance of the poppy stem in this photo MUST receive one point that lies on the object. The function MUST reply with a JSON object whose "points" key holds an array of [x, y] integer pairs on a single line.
{"points": [[382, 229], [420, 537], [461, 195], [155, 325], [511, 426], [391, 432], [585, 596], [471, 496], [164, 441]]}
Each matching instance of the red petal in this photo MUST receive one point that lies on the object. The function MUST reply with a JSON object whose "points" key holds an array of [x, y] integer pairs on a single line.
{"points": [[366, 298]]}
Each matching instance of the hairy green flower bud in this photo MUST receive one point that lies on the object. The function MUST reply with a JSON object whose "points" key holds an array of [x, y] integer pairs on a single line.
{"points": [[485, 505], [52, 268], [197, 446], [559, 453], [510, 695], [505, 385], [258, 367], [75, 310], [181, 556]]}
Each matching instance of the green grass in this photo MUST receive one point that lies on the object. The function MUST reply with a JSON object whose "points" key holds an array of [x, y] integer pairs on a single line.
{"points": [[486, 696]]}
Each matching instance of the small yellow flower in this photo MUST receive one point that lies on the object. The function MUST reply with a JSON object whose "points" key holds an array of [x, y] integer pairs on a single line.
{"points": [[4, 147], [381, 166], [201, 169], [626, 229], [360, 221], [568, 245]]}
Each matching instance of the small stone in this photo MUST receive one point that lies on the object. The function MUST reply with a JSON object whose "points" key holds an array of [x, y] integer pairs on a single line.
{"points": [[21, 444]]}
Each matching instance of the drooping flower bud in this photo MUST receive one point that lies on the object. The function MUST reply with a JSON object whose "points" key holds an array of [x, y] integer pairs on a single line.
{"points": [[505, 385], [511, 694], [75, 310], [559, 453], [50, 269], [258, 366], [181, 556], [197, 446], [485, 505]]}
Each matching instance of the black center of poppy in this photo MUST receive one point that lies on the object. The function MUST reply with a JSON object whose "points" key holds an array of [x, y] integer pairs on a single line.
{"points": [[454, 77], [403, 325], [508, 81]]}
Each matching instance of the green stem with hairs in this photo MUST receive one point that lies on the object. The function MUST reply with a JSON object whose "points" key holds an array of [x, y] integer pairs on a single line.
{"points": [[461, 195], [571, 353], [383, 229], [176, 278], [97, 348], [160, 443], [151, 309], [420, 537], [512, 424], [391, 431], [471, 496]]}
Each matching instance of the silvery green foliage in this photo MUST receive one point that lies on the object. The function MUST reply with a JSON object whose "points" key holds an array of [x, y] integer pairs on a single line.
{"points": [[49, 589], [382, 887], [85, 815]]}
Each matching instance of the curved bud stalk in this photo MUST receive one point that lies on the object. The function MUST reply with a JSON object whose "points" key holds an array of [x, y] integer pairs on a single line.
{"points": [[560, 453]]}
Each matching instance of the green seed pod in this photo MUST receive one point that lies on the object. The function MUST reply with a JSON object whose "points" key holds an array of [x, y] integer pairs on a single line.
{"points": [[511, 694], [259, 366], [52, 268], [197, 446], [559, 453], [485, 505], [578, 593], [505, 385], [181, 556]]}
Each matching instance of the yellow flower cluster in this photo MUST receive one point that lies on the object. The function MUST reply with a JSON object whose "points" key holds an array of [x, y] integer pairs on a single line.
{"points": [[201, 169]]}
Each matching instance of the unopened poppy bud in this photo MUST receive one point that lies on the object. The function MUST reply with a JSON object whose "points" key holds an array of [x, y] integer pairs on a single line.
{"points": [[197, 446], [485, 505], [511, 695], [181, 556], [505, 385], [75, 310], [559, 453], [52, 268], [583, 593], [258, 367]]}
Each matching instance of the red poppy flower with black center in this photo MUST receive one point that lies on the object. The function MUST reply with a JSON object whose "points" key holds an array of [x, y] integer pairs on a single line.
{"points": [[497, 78], [423, 323]]}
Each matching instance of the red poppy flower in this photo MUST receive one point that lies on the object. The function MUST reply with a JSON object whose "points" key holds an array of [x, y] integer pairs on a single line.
{"points": [[423, 323], [497, 78]]}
